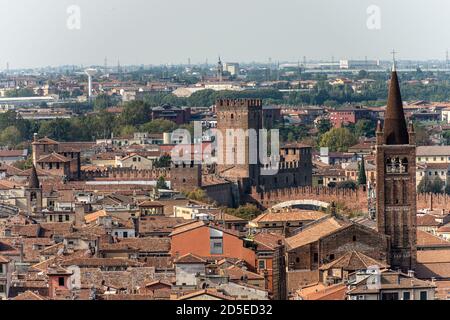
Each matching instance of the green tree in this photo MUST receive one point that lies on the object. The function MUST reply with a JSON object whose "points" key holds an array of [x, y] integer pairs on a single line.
{"points": [[163, 162], [22, 92], [161, 183], [10, 136], [338, 139], [437, 185], [428, 185], [24, 164], [126, 130], [446, 137], [247, 212], [346, 185], [422, 134], [158, 126], [424, 184], [324, 125], [197, 195], [365, 128], [102, 101], [362, 178], [135, 113], [447, 188]]}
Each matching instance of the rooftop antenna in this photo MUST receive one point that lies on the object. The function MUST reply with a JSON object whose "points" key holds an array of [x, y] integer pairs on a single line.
{"points": [[394, 67], [118, 66]]}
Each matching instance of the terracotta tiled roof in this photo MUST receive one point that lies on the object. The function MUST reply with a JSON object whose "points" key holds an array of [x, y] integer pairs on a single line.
{"points": [[322, 292], [10, 170], [187, 227], [392, 280], [101, 262], [426, 239], [291, 215], [433, 256], [268, 241], [45, 140], [315, 231], [159, 281], [51, 229], [422, 151], [190, 258], [237, 274], [54, 157], [57, 270], [209, 292], [148, 244], [353, 261], [13, 153], [127, 297], [52, 250], [91, 217], [29, 295], [445, 228], [149, 203], [427, 220], [28, 230]]}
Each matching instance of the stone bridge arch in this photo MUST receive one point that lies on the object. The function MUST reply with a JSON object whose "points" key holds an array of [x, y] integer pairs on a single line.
{"points": [[308, 204], [355, 200]]}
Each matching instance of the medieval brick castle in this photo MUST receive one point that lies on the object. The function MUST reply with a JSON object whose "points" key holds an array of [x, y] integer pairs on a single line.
{"points": [[231, 184]]}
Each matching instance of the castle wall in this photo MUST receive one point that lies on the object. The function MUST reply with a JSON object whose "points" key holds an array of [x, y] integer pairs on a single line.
{"points": [[353, 199]]}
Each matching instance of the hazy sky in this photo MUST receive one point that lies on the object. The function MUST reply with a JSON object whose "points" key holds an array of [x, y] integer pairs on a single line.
{"points": [[35, 32]]}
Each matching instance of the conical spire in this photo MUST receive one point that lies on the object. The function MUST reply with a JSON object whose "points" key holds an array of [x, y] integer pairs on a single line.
{"points": [[33, 182], [395, 131]]}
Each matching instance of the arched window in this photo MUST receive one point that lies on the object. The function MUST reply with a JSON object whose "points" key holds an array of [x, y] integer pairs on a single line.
{"points": [[404, 165], [388, 165]]}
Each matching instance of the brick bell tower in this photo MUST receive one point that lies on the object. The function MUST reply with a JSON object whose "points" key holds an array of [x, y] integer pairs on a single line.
{"points": [[396, 181]]}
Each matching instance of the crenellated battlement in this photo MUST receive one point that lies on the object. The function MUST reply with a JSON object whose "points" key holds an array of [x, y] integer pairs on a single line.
{"points": [[433, 202], [242, 103], [354, 199], [126, 173]]}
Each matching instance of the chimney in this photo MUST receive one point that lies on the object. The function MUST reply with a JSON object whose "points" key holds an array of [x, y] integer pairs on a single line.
{"points": [[333, 210], [79, 215], [21, 253], [411, 273]]}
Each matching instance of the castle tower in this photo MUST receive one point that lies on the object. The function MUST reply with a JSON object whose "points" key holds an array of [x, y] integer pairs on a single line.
{"points": [[238, 124], [396, 181], [33, 194]]}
